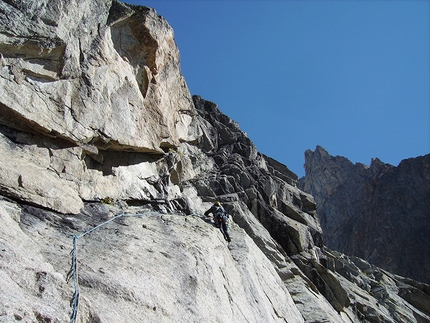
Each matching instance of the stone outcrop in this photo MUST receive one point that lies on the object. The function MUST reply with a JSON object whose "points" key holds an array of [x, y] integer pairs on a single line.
{"points": [[97, 126], [88, 85], [377, 212]]}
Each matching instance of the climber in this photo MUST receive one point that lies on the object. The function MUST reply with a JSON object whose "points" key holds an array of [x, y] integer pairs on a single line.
{"points": [[221, 218]]}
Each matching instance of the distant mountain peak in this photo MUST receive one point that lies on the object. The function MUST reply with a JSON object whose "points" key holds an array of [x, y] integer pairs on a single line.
{"points": [[363, 209]]}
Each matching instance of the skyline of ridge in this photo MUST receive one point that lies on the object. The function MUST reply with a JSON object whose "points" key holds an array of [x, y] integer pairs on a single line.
{"points": [[352, 77]]}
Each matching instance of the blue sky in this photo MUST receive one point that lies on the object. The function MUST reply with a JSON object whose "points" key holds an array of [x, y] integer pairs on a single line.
{"points": [[351, 76]]}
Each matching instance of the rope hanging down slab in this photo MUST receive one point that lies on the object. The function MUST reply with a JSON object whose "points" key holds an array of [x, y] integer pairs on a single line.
{"points": [[73, 272]]}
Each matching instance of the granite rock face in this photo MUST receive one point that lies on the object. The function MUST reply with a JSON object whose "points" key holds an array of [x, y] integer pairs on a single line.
{"points": [[379, 213], [88, 86], [97, 126]]}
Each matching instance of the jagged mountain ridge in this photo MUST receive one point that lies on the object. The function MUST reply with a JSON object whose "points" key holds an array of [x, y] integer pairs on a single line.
{"points": [[96, 120], [379, 213]]}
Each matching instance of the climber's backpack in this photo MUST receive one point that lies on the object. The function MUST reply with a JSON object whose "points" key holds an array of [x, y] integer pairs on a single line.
{"points": [[221, 214]]}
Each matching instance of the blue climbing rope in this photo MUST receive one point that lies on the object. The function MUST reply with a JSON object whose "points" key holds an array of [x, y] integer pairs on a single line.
{"points": [[75, 299], [73, 272]]}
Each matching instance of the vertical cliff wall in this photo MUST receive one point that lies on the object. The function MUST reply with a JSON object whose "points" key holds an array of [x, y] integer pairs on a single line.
{"points": [[379, 213], [97, 126]]}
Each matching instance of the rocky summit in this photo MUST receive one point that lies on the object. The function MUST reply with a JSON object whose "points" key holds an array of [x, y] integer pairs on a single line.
{"points": [[379, 212], [107, 165]]}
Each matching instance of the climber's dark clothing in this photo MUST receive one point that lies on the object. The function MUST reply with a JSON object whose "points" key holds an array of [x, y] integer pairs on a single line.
{"points": [[221, 219], [217, 211], [224, 230]]}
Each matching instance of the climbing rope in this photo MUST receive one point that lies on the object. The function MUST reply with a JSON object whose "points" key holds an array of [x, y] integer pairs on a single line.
{"points": [[73, 272]]}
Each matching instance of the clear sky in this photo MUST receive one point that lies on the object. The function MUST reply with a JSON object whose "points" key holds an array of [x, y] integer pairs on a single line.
{"points": [[351, 76]]}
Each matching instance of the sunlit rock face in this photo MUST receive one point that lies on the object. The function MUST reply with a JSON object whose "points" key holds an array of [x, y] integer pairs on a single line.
{"points": [[97, 126], [377, 212], [88, 86]]}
